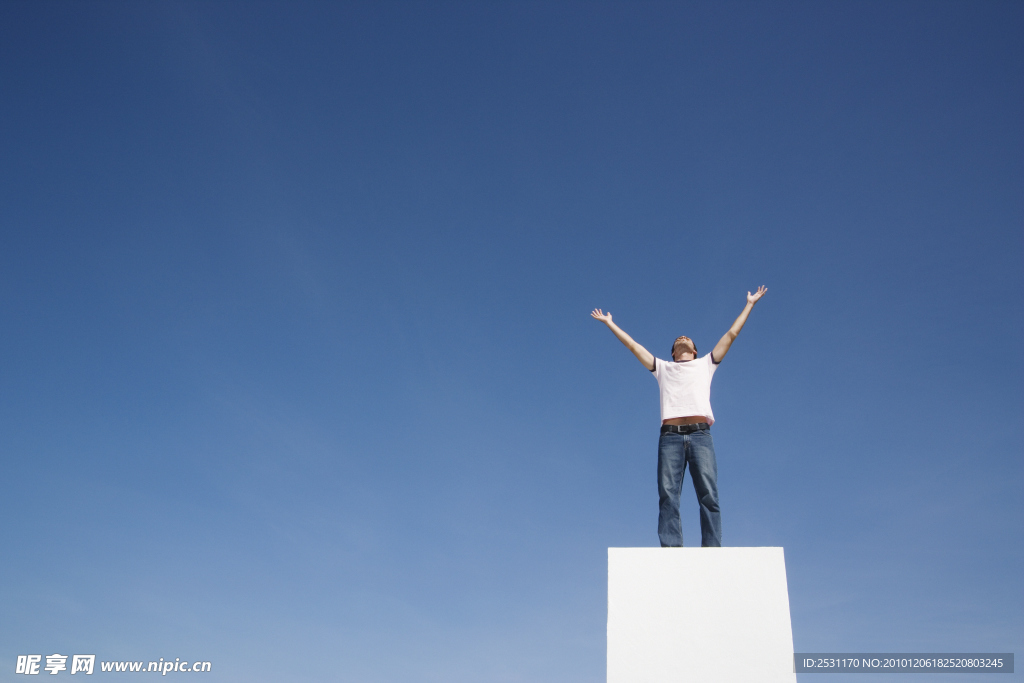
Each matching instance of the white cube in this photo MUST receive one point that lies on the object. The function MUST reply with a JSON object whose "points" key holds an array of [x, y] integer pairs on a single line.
{"points": [[708, 615]]}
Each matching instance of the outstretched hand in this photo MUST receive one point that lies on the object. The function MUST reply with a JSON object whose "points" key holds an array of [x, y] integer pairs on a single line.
{"points": [[753, 298], [598, 314]]}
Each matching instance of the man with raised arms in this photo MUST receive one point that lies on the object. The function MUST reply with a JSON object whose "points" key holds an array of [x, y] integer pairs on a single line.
{"points": [[686, 419]]}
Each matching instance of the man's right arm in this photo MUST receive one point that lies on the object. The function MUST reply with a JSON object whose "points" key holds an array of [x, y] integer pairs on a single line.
{"points": [[642, 354]]}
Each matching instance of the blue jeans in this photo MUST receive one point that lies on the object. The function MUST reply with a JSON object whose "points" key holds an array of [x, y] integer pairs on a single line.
{"points": [[675, 452]]}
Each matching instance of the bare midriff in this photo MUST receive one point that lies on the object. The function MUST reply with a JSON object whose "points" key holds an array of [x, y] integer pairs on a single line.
{"points": [[691, 420]]}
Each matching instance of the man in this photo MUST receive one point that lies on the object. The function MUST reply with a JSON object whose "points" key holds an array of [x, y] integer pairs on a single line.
{"points": [[686, 420]]}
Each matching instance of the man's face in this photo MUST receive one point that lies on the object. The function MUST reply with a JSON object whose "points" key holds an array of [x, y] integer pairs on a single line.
{"points": [[683, 345]]}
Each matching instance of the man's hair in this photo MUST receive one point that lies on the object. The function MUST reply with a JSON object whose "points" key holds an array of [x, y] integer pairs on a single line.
{"points": [[679, 339]]}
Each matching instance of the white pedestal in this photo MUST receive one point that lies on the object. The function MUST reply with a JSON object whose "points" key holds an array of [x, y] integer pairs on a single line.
{"points": [[707, 615]]}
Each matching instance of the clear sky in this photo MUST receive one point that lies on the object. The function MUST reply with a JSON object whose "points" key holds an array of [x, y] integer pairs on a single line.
{"points": [[297, 372]]}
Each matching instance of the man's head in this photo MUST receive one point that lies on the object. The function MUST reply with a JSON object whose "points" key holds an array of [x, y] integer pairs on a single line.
{"points": [[683, 348]]}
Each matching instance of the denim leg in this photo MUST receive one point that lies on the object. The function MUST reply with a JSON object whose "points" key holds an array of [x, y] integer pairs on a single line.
{"points": [[704, 472], [671, 469]]}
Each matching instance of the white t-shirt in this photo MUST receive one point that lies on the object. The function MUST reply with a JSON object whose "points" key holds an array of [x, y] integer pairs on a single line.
{"points": [[685, 387]]}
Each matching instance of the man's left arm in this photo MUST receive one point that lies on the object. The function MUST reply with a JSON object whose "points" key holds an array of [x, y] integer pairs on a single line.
{"points": [[722, 347]]}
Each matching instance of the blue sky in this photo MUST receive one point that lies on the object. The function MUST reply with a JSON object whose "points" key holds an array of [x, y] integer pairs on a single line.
{"points": [[298, 374]]}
